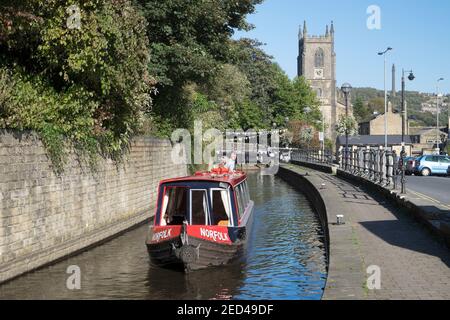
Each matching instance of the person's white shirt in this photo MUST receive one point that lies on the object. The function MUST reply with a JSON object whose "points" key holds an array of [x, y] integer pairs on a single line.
{"points": [[231, 164]]}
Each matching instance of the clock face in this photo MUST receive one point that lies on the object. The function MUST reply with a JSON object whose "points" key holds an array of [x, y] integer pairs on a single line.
{"points": [[318, 73]]}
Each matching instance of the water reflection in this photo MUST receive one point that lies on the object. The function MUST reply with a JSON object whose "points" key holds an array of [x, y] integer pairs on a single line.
{"points": [[285, 259]]}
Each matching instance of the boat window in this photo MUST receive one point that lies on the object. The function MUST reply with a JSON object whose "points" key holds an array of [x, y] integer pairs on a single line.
{"points": [[174, 206], [240, 201], [199, 207], [221, 208], [246, 193]]}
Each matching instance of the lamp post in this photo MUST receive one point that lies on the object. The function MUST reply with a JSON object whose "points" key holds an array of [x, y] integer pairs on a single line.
{"points": [[286, 130], [438, 136], [346, 89], [411, 77], [385, 98], [322, 134]]}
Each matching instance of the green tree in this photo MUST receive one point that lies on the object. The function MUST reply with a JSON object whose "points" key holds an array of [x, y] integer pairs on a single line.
{"points": [[361, 111], [189, 41], [347, 124], [88, 83]]}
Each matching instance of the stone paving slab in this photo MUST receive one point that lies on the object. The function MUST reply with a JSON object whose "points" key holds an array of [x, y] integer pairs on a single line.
{"points": [[413, 264]]}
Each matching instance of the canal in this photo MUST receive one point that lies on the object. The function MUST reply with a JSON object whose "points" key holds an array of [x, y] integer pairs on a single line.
{"points": [[285, 259]]}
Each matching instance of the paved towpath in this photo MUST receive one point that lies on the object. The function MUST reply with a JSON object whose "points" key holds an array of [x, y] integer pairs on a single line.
{"points": [[413, 264]]}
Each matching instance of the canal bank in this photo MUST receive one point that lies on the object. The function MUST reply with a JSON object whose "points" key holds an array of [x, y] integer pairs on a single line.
{"points": [[375, 234]]}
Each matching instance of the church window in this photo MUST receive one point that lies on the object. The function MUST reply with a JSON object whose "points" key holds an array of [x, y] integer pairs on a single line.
{"points": [[319, 92], [319, 58]]}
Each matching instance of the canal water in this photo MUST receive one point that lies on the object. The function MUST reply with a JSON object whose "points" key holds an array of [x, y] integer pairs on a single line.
{"points": [[285, 259]]}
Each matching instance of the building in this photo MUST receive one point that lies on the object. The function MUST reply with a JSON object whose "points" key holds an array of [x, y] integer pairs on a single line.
{"points": [[376, 141], [317, 64], [376, 126], [425, 138]]}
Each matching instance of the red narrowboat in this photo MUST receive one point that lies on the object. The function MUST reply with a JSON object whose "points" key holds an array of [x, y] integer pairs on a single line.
{"points": [[201, 221]]}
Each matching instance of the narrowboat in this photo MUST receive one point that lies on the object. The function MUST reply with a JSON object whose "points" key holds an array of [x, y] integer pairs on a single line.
{"points": [[201, 221]]}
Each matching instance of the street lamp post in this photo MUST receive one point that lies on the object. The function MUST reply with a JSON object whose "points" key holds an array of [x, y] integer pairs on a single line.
{"points": [[346, 89], [411, 77], [438, 136], [323, 135], [322, 138], [385, 98]]}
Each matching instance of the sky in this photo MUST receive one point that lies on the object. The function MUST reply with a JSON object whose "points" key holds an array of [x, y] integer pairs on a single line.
{"points": [[417, 30]]}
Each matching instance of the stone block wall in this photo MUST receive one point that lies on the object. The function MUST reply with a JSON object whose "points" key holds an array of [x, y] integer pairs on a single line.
{"points": [[44, 217]]}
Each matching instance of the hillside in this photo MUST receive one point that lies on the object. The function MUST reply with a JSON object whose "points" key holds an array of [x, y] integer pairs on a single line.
{"points": [[421, 106]]}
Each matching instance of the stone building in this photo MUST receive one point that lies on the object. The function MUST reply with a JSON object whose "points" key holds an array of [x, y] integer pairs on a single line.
{"points": [[376, 125], [317, 64], [425, 138]]}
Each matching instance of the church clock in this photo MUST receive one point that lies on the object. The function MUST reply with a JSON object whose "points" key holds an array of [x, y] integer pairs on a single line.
{"points": [[318, 73]]}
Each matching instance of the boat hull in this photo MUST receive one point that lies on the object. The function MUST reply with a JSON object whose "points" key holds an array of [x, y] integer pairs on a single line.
{"points": [[198, 247], [194, 254]]}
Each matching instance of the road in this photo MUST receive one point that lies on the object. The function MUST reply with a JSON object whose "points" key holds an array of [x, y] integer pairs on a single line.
{"points": [[434, 187]]}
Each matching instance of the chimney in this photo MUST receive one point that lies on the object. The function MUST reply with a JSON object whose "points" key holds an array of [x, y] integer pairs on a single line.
{"points": [[394, 93], [389, 107]]}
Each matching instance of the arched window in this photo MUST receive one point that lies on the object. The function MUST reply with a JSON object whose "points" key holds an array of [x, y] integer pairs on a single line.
{"points": [[319, 92], [319, 58]]}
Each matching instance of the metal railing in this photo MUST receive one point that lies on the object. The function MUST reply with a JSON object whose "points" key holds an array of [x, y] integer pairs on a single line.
{"points": [[375, 164], [312, 156]]}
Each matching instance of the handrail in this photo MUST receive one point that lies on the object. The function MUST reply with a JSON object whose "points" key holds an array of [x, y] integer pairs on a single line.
{"points": [[378, 165]]}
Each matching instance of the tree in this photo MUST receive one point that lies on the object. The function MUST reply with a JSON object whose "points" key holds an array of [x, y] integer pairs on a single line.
{"points": [[248, 116], [261, 73], [347, 124], [304, 97], [361, 111], [87, 82], [189, 41], [228, 89]]}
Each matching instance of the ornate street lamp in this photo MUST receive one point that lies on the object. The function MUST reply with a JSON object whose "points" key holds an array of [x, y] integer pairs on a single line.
{"points": [[411, 77], [346, 89]]}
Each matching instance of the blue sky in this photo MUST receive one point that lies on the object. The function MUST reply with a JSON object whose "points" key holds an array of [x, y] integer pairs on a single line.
{"points": [[418, 30]]}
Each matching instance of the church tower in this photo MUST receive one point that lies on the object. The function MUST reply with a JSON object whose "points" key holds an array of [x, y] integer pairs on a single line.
{"points": [[317, 64]]}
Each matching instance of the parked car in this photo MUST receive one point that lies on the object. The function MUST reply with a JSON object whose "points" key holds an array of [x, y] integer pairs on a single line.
{"points": [[448, 171], [432, 165], [410, 163]]}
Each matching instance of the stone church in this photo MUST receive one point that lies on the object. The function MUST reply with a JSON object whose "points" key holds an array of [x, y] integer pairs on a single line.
{"points": [[317, 64]]}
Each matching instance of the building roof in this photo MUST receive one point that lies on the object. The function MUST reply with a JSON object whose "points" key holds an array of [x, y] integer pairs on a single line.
{"points": [[232, 179], [424, 130], [373, 140]]}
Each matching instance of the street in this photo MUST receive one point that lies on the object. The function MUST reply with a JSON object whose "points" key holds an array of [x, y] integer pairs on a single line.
{"points": [[435, 187]]}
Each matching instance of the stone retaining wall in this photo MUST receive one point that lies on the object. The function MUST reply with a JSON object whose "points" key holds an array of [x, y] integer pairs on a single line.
{"points": [[45, 217]]}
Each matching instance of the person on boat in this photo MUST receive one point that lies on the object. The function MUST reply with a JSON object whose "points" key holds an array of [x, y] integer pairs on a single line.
{"points": [[231, 163]]}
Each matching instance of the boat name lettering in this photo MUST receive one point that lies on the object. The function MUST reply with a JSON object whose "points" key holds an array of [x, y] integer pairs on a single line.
{"points": [[162, 235], [214, 235]]}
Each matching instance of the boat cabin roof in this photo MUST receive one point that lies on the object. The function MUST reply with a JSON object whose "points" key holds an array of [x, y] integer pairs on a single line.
{"points": [[231, 178]]}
